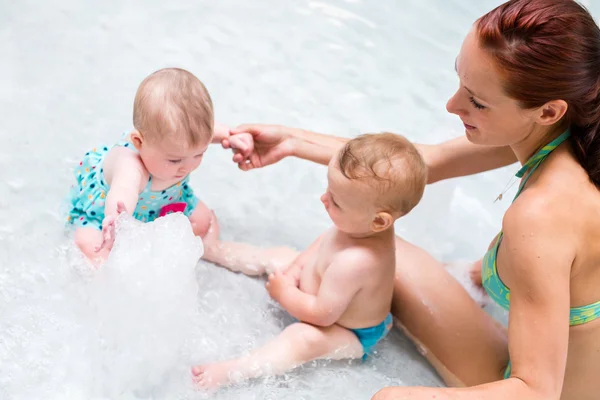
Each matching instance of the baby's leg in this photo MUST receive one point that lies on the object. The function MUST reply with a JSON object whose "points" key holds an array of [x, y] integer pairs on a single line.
{"points": [[296, 345], [249, 259], [204, 222], [242, 257], [469, 277], [88, 239]]}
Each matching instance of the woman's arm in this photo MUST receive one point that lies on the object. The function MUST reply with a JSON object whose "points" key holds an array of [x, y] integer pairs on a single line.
{"points": [[451, 159], [459, 157], [539, 256], [316, 147], [272, 143], [454, 158]]}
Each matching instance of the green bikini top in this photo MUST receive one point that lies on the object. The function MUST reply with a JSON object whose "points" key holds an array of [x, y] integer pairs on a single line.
{"points": [[489, 271]]}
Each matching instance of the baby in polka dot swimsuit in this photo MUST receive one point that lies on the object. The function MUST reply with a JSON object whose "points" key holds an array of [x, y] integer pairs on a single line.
{"points": [[147, 171]]}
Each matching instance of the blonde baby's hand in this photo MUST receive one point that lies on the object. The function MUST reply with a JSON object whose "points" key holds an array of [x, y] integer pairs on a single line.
{"points": [[241, 144], [278, 283], [108, 234], [108, 229]]}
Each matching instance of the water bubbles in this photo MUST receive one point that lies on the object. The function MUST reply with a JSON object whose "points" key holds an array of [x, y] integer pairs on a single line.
{"points": [[110, 332]]}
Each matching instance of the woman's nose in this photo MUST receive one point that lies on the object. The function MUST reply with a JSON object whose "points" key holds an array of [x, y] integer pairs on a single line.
{"points": [[453, 106]]}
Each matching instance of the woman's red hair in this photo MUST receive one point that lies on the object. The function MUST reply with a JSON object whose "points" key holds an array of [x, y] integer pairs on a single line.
{"points": [[550, 50]]}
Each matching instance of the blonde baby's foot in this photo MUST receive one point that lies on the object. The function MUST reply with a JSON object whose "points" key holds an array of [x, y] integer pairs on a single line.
{"points": [[469, 276], [213, 376], [277, 259], [475, 274]]}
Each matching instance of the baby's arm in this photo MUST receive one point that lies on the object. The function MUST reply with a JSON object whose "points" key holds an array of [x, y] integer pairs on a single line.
{"points": [[340, 283], [240, 143], [307, 256], [124, 174], [124, 186], [221, 132]]}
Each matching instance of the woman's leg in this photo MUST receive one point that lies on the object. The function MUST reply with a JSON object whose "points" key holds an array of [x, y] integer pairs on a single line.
{"points": [[463, 343]]}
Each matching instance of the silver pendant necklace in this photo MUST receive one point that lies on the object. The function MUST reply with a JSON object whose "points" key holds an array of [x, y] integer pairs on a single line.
{"points": [[510, 184]]}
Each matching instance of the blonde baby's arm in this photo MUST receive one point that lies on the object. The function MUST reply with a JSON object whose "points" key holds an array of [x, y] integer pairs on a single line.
{"points": [[240, 143], [125, 175], [221, 132]]}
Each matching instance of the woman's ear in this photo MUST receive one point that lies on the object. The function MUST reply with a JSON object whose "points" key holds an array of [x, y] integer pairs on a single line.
{"points": [[552, 112]]}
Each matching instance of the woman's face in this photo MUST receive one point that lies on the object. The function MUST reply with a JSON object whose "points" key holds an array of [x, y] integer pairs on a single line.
{"points": [[489, 115]]}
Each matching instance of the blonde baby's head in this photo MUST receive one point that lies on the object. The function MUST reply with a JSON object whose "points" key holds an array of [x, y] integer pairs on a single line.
{"points": [[173, 120], [374, 180]]}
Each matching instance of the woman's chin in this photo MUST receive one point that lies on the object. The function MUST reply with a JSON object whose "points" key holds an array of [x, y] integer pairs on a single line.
{"points": [[473, 136]]}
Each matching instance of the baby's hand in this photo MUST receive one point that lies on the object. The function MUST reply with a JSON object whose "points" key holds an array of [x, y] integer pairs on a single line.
{"points": [[242, 144], [108, 229], [278, 283], [221, 132], [108, 234]]}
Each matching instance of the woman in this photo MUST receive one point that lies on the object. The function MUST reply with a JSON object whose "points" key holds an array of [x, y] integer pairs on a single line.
{"points": [[530, 92]]}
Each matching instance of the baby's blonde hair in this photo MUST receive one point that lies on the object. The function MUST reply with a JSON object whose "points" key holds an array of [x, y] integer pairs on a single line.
{"points": [[390, 165], [173, 103]]}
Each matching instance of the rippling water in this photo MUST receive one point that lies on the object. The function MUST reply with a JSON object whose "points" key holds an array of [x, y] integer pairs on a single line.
{"points": [[69, 73]]}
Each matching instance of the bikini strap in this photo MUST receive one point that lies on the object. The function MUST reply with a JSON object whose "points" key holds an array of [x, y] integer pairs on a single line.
{"points": [[531, 165]]}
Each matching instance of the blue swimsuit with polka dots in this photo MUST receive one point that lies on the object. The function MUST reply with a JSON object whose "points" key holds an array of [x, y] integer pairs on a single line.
{"points": [[88, 195]]}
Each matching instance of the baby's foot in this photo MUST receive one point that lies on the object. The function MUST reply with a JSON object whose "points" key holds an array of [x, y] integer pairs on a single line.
{"points": [[213, 376], [469, 277], [475, 273]]}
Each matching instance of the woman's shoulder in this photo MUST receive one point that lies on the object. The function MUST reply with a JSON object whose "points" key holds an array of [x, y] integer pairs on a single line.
{"points": [[538, 233], [543, 207], [561, 201]]}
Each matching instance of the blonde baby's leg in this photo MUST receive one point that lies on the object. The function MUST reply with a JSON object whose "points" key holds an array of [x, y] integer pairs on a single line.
{"points": [[88, 239], [297, 344], [236, 256], [204, 222], [249, 259]]}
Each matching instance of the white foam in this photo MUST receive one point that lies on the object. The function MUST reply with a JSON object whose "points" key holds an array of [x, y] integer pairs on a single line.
{"points": [[113, 332], [144, 302]]}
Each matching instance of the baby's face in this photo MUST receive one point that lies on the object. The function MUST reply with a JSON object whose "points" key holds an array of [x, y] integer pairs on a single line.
{"points": [[171, 160], [349, 203]]}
